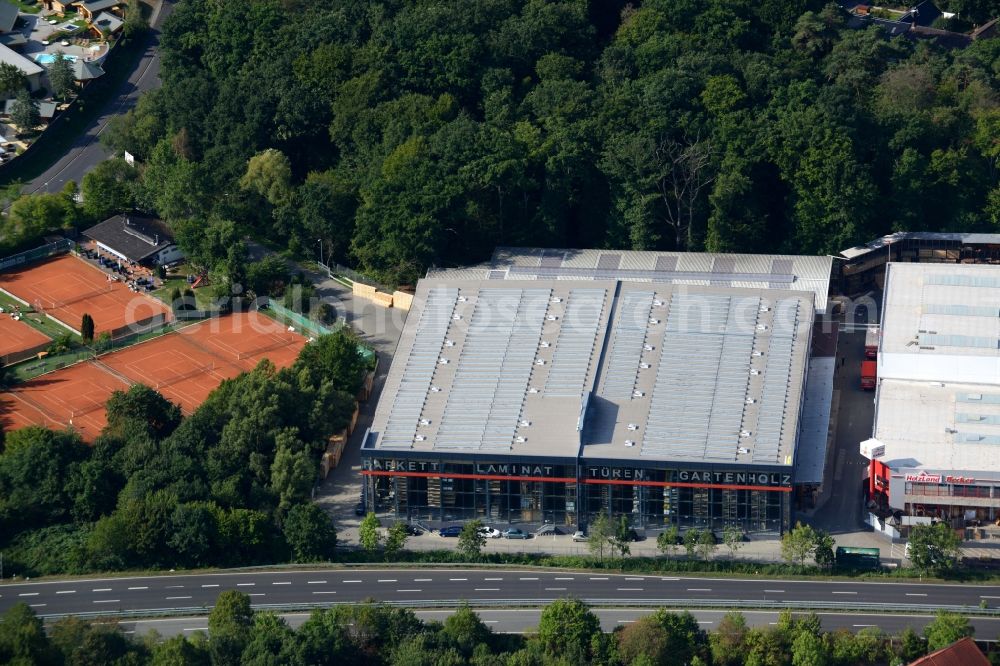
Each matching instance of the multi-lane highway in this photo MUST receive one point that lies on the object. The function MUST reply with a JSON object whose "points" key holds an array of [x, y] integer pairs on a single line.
{"points": [[418, 586]]}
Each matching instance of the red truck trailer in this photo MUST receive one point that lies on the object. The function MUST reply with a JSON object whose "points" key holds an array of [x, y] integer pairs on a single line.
{"points": [[871, 342], [868, 372]]}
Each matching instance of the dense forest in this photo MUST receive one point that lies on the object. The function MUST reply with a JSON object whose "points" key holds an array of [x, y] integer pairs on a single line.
{"points": [[228, 485], [568, 634], [405, 134]]}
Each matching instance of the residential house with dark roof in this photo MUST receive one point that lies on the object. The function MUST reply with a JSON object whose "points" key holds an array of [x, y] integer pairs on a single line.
{"points": [[8, 15], [91, 8], [142, 240]]}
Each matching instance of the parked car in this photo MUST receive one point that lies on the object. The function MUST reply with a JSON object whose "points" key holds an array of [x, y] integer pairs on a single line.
{"points": [[450, 531], [359, 509], [489, 532], [580, 536], [514, 533], [413, 530]]}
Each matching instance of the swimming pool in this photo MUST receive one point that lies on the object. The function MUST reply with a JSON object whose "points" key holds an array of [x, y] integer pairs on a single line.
{"points": [[49, 58]]}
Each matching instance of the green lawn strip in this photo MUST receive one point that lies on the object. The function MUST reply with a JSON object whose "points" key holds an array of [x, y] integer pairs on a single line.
{"points": [[57, 141], [36, 320], [31, 369]]}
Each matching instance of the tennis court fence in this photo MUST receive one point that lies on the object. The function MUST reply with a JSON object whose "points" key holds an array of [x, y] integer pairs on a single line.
{"points": [[61, 246], [313, 328]]}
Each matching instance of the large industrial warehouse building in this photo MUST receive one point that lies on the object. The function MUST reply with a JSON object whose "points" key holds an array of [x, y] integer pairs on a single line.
{"points": [[551, 385], [938, 400]]}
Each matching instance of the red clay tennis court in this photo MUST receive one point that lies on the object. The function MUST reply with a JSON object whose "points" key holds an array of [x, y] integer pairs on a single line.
{"points": [[182, 366], [17, 337], [68, 287], [72, 397]]}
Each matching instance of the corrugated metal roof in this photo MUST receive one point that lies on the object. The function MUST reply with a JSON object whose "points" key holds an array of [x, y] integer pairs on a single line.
{"points": [[795, 272], [668, 372], [814, 429]]}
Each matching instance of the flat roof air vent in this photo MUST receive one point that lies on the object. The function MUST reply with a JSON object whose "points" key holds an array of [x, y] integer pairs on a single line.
{"points": [[557, 300], [633, 426], [546, 345], [648, 347], [442, 361], [525, 424], [645, 366], [462, 299], [551, 317], [757, 354], [420, 438], [658, 303], [654, 320], [745, 433], [532, 390], [638, 394], [449, 343], [456, 317], [435, 389], [425, 422], [520, 440], [754, 372], [750, 401], [539, 361], [744, 450], [629, 442]]}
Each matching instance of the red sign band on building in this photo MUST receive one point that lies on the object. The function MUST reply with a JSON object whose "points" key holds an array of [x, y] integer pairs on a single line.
{"points": [[923, 477]]}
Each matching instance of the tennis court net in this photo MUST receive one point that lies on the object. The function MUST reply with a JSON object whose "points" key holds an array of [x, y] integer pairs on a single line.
{"points": [[280, 344], [185, 375]]}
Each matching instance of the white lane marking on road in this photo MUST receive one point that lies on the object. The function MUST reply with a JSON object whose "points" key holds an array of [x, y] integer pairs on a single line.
{"points": [[625, 621], [37, 605], [556, 589], [458, 579], [409, 590], [350, 581], [387, 580], [245, 584], [65, 591], [106, 601], [564, 578], [917, 594], [490, 621], [598, 578], [172, 598], [214, 585], [699, 589], [174, 587], [630, 589], [840, 592], [983, 596], [864, 625], [705, 622], [324, 592], [139, 587], [499, 579], [426, 580], [28, 594], [258, 594], [282, 582], [775, 591], [101, 589], [195, 629], [634, 578], [670, 579], [529, 578], [487, 589], [315, 582]]}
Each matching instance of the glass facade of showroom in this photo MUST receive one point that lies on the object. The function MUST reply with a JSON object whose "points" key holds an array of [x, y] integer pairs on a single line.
{"points": [[570, 493]]}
